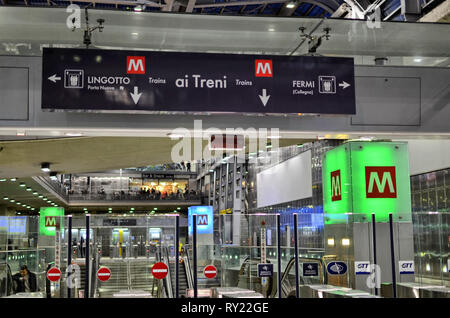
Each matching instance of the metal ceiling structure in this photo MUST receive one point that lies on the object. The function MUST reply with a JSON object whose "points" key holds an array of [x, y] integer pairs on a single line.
{"points": [[388, 10]]}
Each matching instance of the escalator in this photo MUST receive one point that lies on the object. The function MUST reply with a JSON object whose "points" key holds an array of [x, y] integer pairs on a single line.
{"points": [[185, 280], [288, 278]]}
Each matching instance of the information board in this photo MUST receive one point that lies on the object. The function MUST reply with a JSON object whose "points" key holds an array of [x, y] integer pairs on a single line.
{"points": [[113, 80]]}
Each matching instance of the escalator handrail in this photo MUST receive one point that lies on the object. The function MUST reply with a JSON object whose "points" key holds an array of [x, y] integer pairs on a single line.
{"points": [[168, 278], [292, 262], [187, 268]]}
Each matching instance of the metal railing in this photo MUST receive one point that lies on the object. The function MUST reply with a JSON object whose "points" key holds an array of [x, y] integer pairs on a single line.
{"points": [[133, 197]]}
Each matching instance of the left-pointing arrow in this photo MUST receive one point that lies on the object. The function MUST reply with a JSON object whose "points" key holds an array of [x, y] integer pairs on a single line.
{"points": [[54, 78]]}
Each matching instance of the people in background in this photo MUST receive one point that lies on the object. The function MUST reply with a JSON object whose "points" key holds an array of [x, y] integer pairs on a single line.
{"points": [[188, 166], [25, 281]]}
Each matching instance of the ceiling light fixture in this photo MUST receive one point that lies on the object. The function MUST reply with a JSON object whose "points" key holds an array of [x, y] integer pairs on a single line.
{"points": [[22, 185], [13, 179], [73, 134], [45, 167], [290, 5], [29, 189]]}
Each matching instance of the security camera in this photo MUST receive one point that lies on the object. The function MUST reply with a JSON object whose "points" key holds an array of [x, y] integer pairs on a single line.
{"points": [[100, 24]]}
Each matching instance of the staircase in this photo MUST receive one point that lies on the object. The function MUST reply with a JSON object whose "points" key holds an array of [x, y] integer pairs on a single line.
{"points": [[126, 274], [141, 275], [117, 282]]}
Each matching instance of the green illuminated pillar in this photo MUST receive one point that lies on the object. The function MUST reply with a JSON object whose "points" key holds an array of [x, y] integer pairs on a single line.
{"points": [[49, 218], [364, 178]]}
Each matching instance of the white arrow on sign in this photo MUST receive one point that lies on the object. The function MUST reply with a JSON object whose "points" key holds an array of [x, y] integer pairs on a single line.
{"points": [[344, 84], [54, 78], [264, 97], [136, 95]]}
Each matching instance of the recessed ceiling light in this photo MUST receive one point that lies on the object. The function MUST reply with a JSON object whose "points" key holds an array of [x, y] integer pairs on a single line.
{"points": [[134, 33], [290, 5], [2, 180], [29, 189], [271, 30], [73, 134], [417, 60], [18, 203], [13, 179], [45, 199], [5, 198], [12, 200], [40, 196], [35, 193], [22, 185], [45, 167]]}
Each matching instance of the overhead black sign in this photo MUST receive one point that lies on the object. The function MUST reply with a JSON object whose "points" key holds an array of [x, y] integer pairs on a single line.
{"points": [[119, 222], [81, 79]]}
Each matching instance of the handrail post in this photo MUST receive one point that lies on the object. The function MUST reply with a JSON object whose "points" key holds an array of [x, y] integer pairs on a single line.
{"points": [[86, 264], [374, 239], [394, 280], [177, 255], [194, 252], [297, 280], [69, 253], [279, 255]]}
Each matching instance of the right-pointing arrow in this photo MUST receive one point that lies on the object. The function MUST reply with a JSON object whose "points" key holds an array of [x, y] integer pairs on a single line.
{"points": [[344, 84], [264, 97]]}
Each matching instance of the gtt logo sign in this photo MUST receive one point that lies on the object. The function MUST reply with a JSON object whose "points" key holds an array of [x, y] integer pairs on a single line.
{"points": [[135, 64], [202, 219], [336, 185], [381, 182], [263, 68]]}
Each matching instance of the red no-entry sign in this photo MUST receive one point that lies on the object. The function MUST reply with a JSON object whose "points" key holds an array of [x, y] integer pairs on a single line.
{"points": [[210, 271], [104, 274], [54, 274], [160, 270]]}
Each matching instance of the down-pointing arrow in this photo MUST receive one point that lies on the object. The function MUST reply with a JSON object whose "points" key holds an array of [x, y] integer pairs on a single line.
{"points": [[264, 97], [136, 96], [54, 78]]}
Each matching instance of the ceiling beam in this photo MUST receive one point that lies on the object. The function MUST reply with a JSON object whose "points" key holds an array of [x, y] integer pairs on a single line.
{"points": [[438, 14], [255, 2], [190, 5]]}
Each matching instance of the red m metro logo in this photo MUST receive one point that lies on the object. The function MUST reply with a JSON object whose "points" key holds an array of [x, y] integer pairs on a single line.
{"points": [[263, 68], [135, 64], [202, 219], [336, 185], [381, 182]]}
